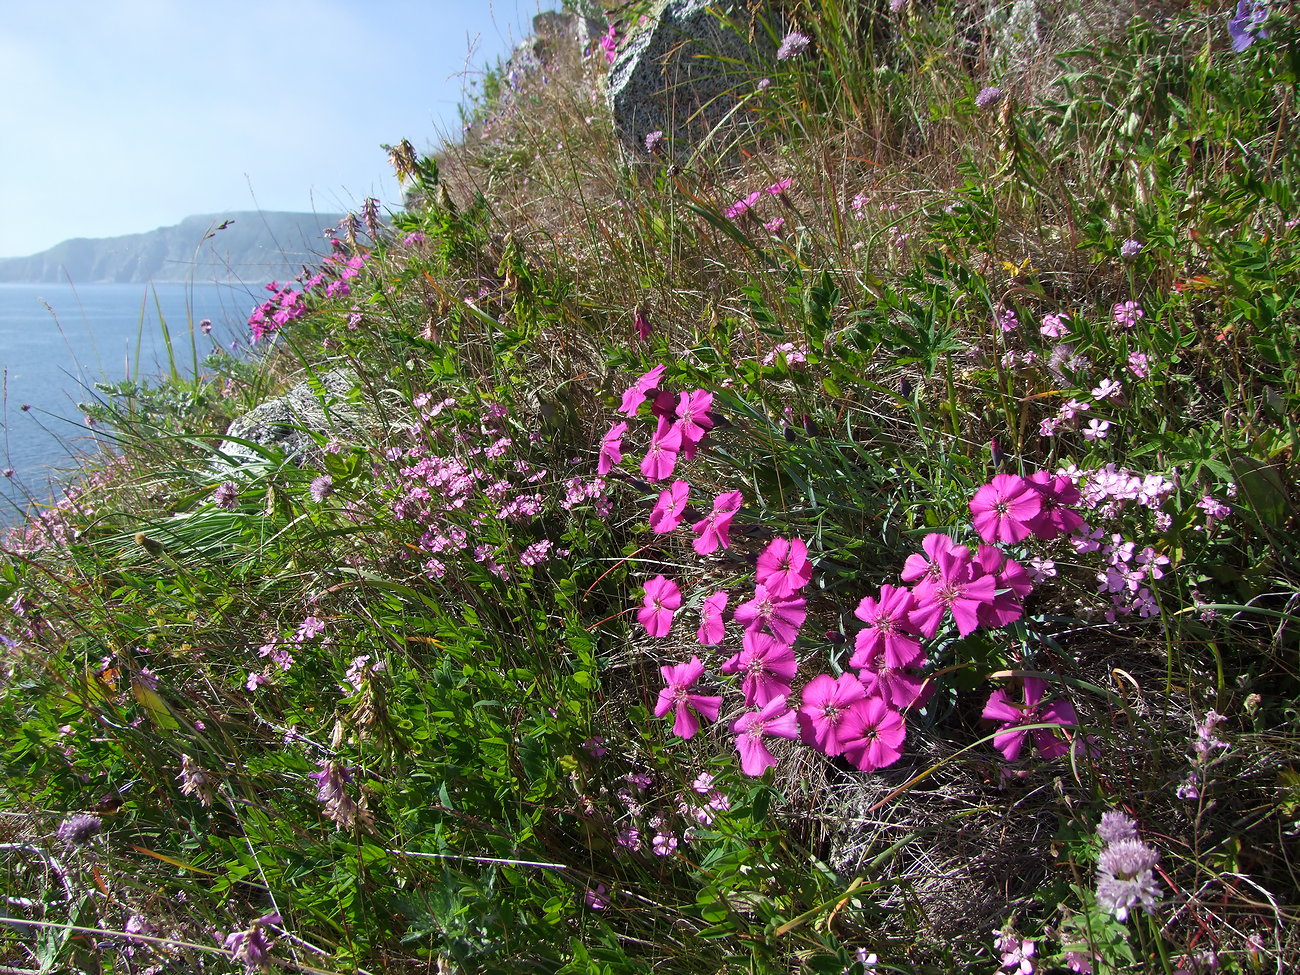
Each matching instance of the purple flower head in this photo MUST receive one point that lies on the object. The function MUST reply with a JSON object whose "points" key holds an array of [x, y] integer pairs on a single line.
{"points": [[80, 829], [677, 697], [1130, 249], [321, 488], [226, 495], [654, 140], [1247, 24], [1126, 878], [792, 45], [989, 97], [1116, 826], [693, 419]]}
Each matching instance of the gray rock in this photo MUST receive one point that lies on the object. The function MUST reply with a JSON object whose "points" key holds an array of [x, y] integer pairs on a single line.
{"points": [[685, 74], [287, 424]]}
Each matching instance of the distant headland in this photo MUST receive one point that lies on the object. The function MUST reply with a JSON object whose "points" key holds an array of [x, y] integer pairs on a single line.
{"points": [[234, 246]]}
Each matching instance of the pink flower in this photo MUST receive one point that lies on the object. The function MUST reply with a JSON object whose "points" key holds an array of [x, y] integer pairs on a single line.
{"points": [[899, 687], [641, 324], [661, 459], [693, 419], [783, 567], [715, 531], [782, 617], [775, 719], [960, 588], [826, 700], [918, 566], [768, 666], [677, 697], [635, 394], [872, 735], [1010, 741], [779, 187], [889, 629], [670, 509], [1055, 518], [1013, 586], [611, 448], [741, 207], [662, 600], [1002, 509], [712, 629]]}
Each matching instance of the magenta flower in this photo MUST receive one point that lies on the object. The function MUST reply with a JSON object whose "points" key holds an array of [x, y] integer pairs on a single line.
{"points": [[775, 719], [783, 617], [919, 566], [826, 700], [677, 697], [641, 324], [712, 628], [783, 567], [662, 600], [635, 394], [1013, 585], [1002, 509], [768, 666], [611, 449], [889, 629], [693, 419], [872, 735], [899, 687], [661, 459], [670, 509], [741, 207], [715, 531], [1055, 519], [1010, 741], [961, 588], [779, 187]]}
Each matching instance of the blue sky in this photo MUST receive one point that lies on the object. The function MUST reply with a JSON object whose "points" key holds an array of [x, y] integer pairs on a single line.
{"points": [[120, 116]]}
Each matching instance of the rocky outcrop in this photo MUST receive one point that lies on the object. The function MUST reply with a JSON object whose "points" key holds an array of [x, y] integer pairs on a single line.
{"points": [[292, 424], [685, 72]]}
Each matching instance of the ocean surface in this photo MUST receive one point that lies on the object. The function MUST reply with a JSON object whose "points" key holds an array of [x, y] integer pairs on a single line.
{"points": [[56, 341]]}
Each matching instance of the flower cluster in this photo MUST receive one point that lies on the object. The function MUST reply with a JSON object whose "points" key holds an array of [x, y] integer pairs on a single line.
{"points": [[288, 303], [1125, 868], [746, 203]]}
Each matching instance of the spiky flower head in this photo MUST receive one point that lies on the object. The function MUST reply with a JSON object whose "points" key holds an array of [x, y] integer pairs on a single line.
{"points": [[80, 829], [989, 97], [1116, 826], [1126, 878]]}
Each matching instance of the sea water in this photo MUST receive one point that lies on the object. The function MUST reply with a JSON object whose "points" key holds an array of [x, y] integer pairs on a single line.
{"points": [[57, 341]]}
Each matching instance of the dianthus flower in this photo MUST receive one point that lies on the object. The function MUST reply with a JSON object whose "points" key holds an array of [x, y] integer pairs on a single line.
{"points": [[611, 448], [661, 459], [1003, 509], [783, 567], [693, 419], [635, 394], [825, 702], [889, 629], [925, 566], [872, 734], [677, 697], [1127, 313], [1055, 518], [670, 509], [1010, 741], [1013, 585], [715, 531], [712, 628], [783, 617], [742, 206], [662, 600], [775, 719], [898, 687], [767, 665], [960, 587]]}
